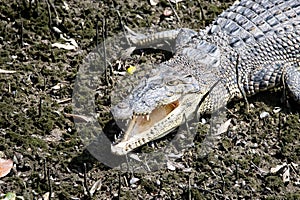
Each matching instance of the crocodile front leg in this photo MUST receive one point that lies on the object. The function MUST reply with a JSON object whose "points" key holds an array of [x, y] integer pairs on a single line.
{"points": [[268, 76], [272, 75]]}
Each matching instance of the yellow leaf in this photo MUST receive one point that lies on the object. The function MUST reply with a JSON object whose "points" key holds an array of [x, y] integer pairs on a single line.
{"points": [[131, 69]]}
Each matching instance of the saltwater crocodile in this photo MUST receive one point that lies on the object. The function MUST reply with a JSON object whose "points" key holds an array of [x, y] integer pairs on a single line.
{"points": [[250, 47]]}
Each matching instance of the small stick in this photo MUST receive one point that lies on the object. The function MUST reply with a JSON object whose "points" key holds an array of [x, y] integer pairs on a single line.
{"points": [[85, 181], [119, 186], [37, 7], [204, 97], [189, 189], [203, 18], [21, 34], [40, 107], [211, 192], [49, 183], [104, 51], [236, 170], [45, 169], [49, 14], [97, 34], [186, 124], [174, 11], [238, 83], [52, 6], [123, 28], [285, 99]]}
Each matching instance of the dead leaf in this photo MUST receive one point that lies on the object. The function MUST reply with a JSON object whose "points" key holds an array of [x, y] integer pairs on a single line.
{"points": [[58, 86], [135, 157], [46, 196], [176, 1], [62, 101], [96, 186], [64, 46], [174, 165], [224, 127], [79, 118], [5, 167], [170, 166], [65, 6], [10, 196], [286, 175], [154, 2], [274, 170], [133, 180]]}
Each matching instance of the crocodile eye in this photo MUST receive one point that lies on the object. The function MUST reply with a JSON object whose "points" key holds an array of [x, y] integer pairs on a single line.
{"points": [[170, 94], [174, 82]]}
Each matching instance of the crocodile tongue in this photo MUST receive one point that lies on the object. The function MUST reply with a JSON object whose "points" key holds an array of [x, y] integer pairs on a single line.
{"points": [[139, 123]]}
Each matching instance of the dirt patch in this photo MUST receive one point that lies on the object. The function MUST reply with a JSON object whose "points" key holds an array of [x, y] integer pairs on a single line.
{"points": [[49, 156]]}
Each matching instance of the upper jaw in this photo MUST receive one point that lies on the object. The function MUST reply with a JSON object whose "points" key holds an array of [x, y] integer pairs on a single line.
{"points": [[150, 126], [136, 136], [149, 119]]}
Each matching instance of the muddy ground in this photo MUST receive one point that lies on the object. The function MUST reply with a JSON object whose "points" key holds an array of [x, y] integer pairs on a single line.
{"points": [[49, 156]]}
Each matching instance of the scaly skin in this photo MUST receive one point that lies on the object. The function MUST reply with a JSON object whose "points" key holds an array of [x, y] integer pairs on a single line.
{"points": [[252, 46]]}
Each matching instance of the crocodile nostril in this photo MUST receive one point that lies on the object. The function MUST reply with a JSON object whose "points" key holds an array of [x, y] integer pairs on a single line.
{"points": [[123, 105], [170, 94], [153, 86]]}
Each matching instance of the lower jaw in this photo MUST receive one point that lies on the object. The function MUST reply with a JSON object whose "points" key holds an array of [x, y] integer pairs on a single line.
{"points": [[139, 129]]}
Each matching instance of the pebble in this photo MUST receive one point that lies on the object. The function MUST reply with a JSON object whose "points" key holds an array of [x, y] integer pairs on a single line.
{"points": [[264, 114]]}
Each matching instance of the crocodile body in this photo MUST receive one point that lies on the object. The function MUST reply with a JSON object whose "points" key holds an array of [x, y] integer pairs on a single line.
{"points": [[251, 47]]}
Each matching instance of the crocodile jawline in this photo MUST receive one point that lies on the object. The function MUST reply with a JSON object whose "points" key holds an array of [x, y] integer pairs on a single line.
{"points": [[141, 123]]}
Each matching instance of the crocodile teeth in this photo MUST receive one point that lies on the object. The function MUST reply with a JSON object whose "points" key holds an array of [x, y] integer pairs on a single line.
{"points": [[148, 117]]}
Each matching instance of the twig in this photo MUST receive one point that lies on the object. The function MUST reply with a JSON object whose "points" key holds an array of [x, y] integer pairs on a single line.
{"points": [[123, 28], [85, 181], [40, 107], [202, 12], [231, 113], [49, 14], [174, 11], [238, 84], [119, 186], [223, 182], [53, 7], [236, 170], [45, 169], [285, 99], [211, 192], [189, 189], [49, 183], [62, 101], [104, 52], [97, 34], [49, 4], [30, 5], [21, 34], [203, 99], [186, 124], [37, 7]]}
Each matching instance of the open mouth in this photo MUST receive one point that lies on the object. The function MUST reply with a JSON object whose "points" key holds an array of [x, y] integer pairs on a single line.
{"points": [[142, 122]]}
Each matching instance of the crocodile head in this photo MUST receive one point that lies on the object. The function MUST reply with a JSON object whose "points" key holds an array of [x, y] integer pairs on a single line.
{"points": [[172, 92], [157, 106]]}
